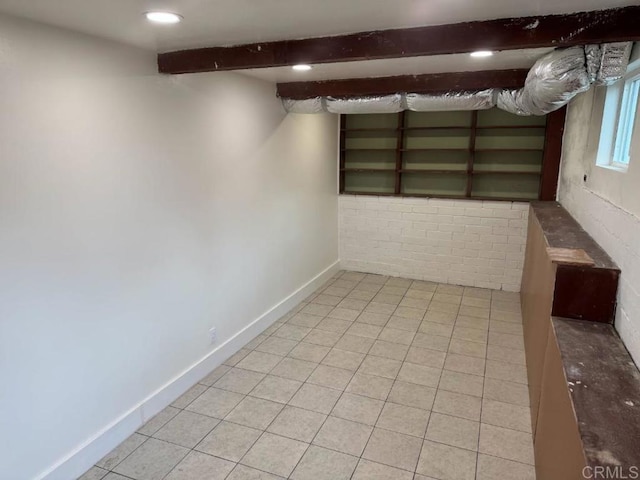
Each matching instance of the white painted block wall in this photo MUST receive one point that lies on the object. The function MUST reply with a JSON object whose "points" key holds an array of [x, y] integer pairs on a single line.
{"points": [[606, 204], [472, 243]]}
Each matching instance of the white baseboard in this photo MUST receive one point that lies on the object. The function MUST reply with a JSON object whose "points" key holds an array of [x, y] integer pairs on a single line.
{"points": [[87, 454]]}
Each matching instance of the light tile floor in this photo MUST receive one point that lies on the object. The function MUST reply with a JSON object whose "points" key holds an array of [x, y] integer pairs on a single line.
{"points": [[370, 378]]}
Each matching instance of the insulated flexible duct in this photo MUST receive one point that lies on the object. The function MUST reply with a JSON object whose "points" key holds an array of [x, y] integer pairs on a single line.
{"points": [[419, 102], [607, 63], [550, 84], [384, 104], [308, 105]]}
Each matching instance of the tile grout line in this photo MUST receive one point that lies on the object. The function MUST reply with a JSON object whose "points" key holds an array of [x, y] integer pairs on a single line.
{"points": [[343, 392], [220, 421], [394, 382], [384, 401], [327, 416], [437, 389], [265, 430], [300, 387], [344, 296], [148, 437], [484, 382], [335, 404]]}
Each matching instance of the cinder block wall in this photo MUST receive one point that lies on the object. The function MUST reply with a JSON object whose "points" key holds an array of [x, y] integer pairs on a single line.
{"points": [[462, 242], [606, 203]]}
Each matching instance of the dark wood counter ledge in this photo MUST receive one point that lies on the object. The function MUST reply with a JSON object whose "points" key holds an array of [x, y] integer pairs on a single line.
{"points": [[561, 230], [590, 405], [604, 385], [584, 388], [584, 292]]}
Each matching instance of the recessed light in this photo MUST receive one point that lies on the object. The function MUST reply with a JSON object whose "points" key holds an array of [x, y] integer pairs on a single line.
{"points": [[165, 18], [482, 53], [301, 68]]}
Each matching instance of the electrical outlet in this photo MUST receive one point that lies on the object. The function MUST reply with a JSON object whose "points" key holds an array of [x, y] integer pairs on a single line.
{"points": [[213, 335]]}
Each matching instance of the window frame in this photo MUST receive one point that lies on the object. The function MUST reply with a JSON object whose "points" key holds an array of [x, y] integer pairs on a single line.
{"points": [[626, 122], [618, 120]]}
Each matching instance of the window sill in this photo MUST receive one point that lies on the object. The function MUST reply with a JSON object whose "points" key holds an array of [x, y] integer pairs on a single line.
{"points": [[618, 167]]}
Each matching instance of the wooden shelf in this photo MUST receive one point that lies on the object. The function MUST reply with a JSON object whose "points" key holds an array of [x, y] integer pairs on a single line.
{"points": [[369, 130], [443, 150], [367, 169], [489, 127], [368, 150], [434, 127], [505, 199], [435, 150], [457, 127], [509, 150], [432, 195], [501, 199], [383, 194], [451, 197], [504, 172], [426, 170], [460, 169]]}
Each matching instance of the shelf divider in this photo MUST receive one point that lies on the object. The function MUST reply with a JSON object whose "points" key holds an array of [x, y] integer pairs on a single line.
{"points": [[399, 147], [472, 152], [343, 153]]}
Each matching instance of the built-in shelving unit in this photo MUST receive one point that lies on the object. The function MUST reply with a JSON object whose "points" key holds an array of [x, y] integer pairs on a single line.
{"points": [[486, 154]]}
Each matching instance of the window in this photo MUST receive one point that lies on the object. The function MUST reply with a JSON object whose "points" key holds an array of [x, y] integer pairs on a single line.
{"points": [[621, 105], [627, 116]]}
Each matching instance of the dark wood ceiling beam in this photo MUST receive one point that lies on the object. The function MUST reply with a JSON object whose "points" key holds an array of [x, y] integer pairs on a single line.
{"points": [[430, 83], [620, 24]]}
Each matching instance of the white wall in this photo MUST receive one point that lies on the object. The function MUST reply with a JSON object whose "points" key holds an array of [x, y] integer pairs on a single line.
{"points": [[463, 242], [137, 211], [607, 204]]}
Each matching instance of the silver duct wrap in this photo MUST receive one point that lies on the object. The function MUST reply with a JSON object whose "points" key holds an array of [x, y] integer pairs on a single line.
{"points": [[374, 104], [551, 83], [308, 105], [593, 56], [512, 102], [418, 102], [481, 100], [608, 62]]}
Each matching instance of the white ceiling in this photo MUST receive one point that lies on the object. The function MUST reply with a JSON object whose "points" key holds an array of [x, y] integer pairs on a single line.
{"points": [[403, 66], [228, 22]]}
